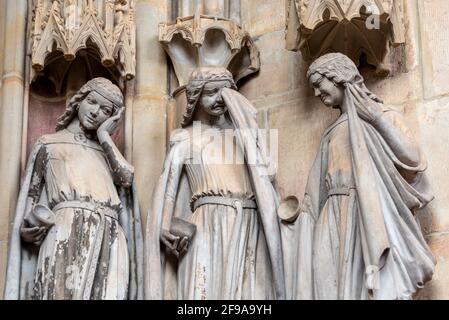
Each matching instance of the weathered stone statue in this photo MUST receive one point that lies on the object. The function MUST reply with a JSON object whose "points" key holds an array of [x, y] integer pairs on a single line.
{"points": [[212, 229], [77, 231], [356, 234]]}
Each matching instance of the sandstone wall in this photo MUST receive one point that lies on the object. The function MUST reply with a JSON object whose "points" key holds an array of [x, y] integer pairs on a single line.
{"points": [[418, 86]]}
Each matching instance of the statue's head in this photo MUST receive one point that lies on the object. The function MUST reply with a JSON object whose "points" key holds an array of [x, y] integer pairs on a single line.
{"points": [[204, 91], [96, 101], [329, 74]]}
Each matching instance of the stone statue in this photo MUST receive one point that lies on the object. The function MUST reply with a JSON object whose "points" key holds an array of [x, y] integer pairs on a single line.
{"points": [[212, 229], [77, 231], [356, 228]]}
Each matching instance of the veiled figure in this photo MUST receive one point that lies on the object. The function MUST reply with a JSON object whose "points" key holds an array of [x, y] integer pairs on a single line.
{"points": [[235, 252], [357, 236], [89, 244]]}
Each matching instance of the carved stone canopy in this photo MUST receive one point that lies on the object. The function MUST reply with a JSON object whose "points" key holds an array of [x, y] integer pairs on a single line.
{"points": [[352, 27], [73, 27], [201, 41]]}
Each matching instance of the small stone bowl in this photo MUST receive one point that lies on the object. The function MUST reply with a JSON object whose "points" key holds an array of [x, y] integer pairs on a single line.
{"points": [[289, 209], [41, 216]]}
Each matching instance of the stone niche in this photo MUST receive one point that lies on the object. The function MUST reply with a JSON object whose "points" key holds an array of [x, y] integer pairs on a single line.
{"points": [[73, 41], [361, 29]]}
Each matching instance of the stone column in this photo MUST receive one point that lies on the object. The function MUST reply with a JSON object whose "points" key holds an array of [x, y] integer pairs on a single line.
{"points": [[11, 117], [149, 105]]}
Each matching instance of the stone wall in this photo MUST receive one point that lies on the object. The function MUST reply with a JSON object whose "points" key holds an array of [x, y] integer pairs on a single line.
{"points": [[150, 99], [13, 24], [145, 121]]}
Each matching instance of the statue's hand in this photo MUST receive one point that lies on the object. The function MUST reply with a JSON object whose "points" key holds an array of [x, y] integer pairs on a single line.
{"points": [[367, 109], [110, 124], [177, 245], [32, 234]]}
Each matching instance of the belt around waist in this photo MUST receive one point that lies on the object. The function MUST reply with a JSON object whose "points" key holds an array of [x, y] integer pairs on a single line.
{"points": [[91, 206], [345, 191], [231, 202]]}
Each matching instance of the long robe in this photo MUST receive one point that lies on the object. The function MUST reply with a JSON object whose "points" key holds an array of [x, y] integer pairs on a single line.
{"points": [[249, 255], [86, 254], [357, 236]]}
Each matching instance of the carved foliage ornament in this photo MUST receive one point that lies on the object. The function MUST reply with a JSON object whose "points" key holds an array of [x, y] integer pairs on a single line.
{"points": [[69, 26], [205, 41], [352, 27]]}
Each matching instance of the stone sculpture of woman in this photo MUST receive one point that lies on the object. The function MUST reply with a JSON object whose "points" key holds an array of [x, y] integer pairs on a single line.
{"points": [[77, 231], [236, 250], [356, 235]]}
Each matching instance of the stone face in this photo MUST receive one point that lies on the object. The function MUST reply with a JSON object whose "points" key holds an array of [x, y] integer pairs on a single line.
{"points": [[433, 121]]}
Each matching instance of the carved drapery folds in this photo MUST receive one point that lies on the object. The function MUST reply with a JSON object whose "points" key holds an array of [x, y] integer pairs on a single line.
{"points": [[200, 41], [352, 27], [75, 27]]}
